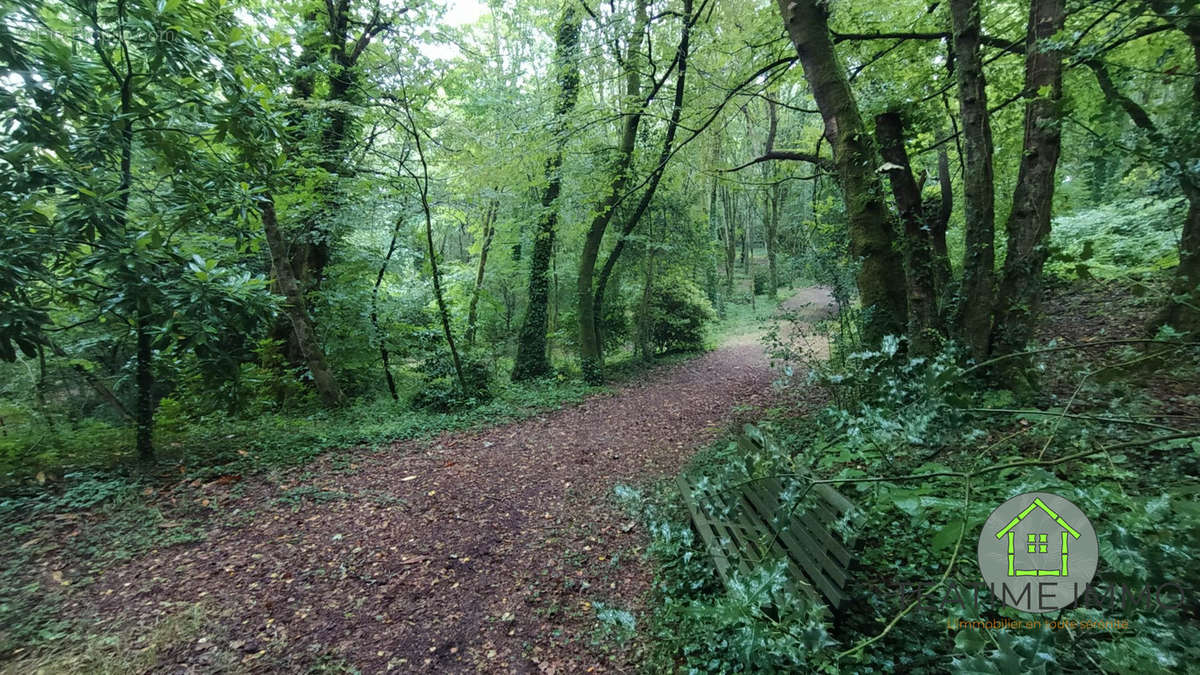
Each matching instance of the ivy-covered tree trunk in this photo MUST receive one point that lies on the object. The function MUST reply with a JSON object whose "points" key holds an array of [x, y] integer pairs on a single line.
{"points": [[656, 174], [296, 308], [489, 231], [728, 235], [774, 203], [532, 359], [591, 357], [1029, 221], [872, 240], [939, 222], [1181, 311], [923, 325], [977, 292]]}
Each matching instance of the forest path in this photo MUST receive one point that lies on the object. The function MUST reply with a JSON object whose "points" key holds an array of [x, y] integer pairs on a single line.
{"points": [[483, 550]]}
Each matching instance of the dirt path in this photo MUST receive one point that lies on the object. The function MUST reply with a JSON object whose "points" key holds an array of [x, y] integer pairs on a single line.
{"points": [[478, 551]]}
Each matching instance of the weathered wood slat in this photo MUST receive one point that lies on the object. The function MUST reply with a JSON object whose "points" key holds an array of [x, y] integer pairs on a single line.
{"points": [[800, 547], [745, 527], [750, 523], [820, 532], [715, 550]]}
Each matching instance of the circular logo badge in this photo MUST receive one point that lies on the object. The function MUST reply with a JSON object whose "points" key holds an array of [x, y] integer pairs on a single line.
{"points": [[1037, 552]]}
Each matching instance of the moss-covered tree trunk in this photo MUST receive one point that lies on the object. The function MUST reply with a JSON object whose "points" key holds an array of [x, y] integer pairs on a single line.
{"points": [[1020, 290], [727, 234], [489, 232], [1182, 308], [532, 359], [591, 357], [977, 294], [774, 203], [872, 240], [295, 307], [656, 174], [923, 325], [939, 223]]}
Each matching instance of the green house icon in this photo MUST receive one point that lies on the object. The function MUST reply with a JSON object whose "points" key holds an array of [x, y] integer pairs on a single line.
{"points": [[1037, 543]]}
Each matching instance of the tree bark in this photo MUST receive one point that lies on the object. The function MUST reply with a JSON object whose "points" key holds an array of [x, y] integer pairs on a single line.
{"points": [[1029, 221], [775, 203], [728, 236], [938, 225], [872, 240], [532, 359], [1181, 311], [664, 156], [384, 356], [918, 264], [296, 308], [590, 354], [977, 294], [489, 231]]}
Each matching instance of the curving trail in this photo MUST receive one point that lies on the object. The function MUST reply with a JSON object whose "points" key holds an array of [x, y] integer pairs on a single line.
{"points": [[482, 550]]}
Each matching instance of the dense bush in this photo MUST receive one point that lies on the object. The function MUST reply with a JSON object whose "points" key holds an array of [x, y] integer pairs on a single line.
{"points": [[1114, 240], [440, 389], [678, 315], [761, 280]]}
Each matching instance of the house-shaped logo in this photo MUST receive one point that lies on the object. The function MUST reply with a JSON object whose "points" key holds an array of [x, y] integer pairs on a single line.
{"points": [[1038, 539]]}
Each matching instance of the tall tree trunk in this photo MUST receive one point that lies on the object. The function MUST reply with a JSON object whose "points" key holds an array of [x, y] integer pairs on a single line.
{"points": [[772, 201], [977, 294], [872, 240], [144, 376], [422, 182], [730, 243], [664, 156], [775, 202], [489, 230], [296, 308], [938, 224], [144, 369], [384, 356], [532, 359], [590, 354], [1182, 308], [918, 264], [1029, 221]]}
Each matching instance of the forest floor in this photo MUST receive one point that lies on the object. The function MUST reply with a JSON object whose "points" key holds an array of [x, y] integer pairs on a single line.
{"points": [[486, 550]]}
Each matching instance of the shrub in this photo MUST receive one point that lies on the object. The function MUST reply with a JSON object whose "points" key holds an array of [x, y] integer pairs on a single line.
{"points": [[761, 280], [678, 314], [441, 391]]}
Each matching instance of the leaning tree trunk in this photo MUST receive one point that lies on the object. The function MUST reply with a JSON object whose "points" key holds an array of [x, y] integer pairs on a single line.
{"points": [[775, 203], [872, 240], [729, 242], [489, 231], [1029, 221], [939, 222], [295, 307], [664, 156], [1182, 309], [590, 354], [923, 325], [532, 359], [974, 316]]}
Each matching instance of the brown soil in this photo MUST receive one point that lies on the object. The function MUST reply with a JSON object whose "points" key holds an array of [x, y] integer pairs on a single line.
{"points": [[484, 550]]}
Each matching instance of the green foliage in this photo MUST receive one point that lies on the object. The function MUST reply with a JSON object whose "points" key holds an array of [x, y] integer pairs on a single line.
{"points": [[678, 314], [895, 421], [440, 388], [1116, 240], [761, 280]]}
